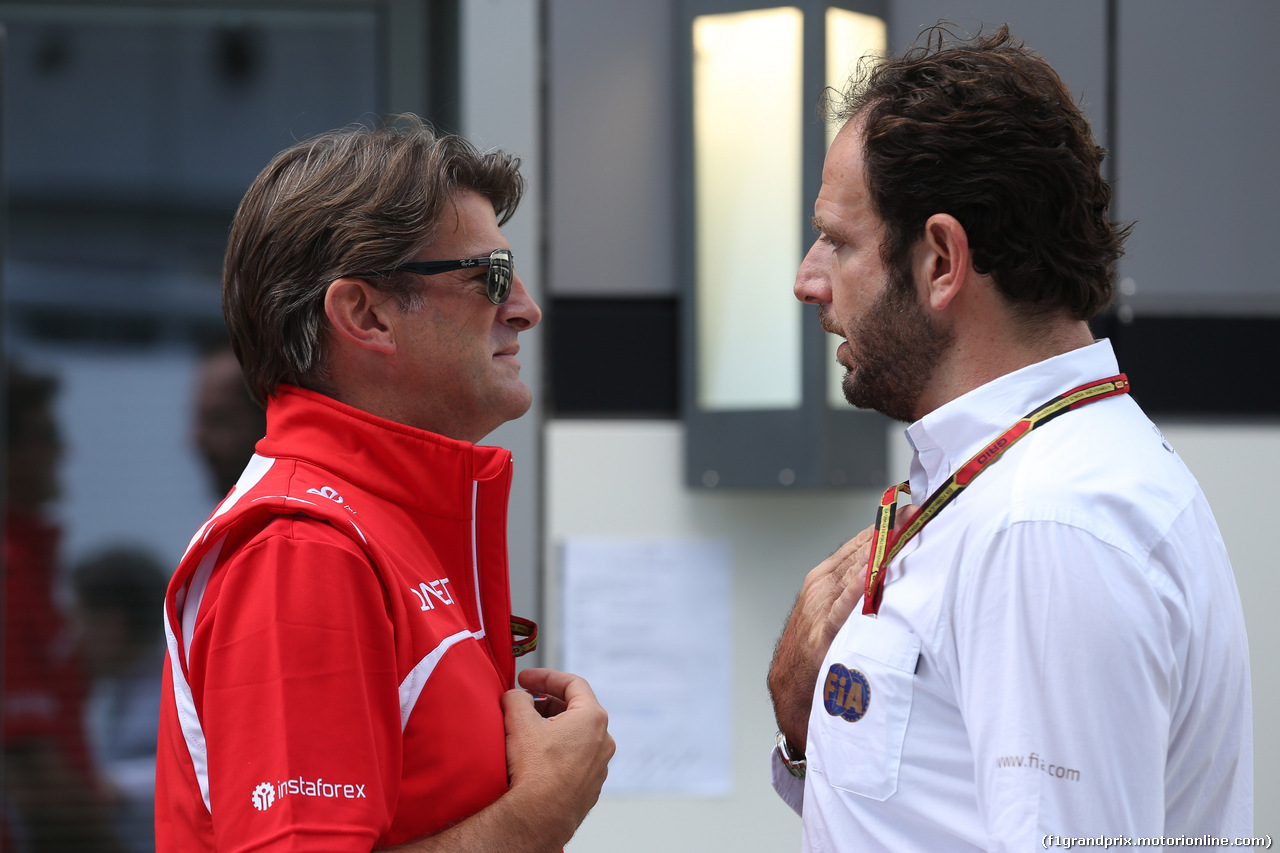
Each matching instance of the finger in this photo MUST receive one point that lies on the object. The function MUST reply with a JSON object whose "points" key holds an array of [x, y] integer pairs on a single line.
{"points": [[572, 689], [905, 515], [518, 711], [517, 702], [858, 543], [838, 562], [862, 548], [548, 706], [848, 598], [852, 555]]}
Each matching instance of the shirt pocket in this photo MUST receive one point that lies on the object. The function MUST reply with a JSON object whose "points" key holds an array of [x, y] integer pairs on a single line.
{"points": [[861, 705]]}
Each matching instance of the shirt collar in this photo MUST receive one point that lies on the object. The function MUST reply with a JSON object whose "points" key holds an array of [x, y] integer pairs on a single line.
{"points": [[947, 437]]}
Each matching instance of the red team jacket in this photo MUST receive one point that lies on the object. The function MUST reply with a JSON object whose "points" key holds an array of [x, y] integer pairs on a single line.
{"points": [[339, 639]]}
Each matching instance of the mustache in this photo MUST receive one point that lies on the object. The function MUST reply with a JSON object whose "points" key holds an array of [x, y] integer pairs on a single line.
{"points": [[828, 325]]}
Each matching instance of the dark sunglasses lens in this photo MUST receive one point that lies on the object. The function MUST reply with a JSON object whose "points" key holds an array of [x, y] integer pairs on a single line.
{"points": [[501, 270]]}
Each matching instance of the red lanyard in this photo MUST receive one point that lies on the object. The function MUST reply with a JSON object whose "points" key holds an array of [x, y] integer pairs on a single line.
{"points": [[524, 636], [885, 545]]}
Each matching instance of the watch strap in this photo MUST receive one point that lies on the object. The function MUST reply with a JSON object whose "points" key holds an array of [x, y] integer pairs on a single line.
{"points": [[794, 762]]}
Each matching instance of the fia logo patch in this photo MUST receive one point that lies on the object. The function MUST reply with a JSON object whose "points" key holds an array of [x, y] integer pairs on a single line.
{"points": [[846, 693]]}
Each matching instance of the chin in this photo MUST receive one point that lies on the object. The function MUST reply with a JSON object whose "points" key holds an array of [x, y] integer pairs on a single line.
{"points": [[522, 405], [515, 401]]}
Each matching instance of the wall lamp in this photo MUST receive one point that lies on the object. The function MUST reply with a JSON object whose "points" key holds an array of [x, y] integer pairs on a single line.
{"points": [[760, 386]]}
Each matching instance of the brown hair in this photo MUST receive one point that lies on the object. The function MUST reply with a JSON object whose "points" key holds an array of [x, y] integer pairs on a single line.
{"points": [[985, 131], [351, 201]]}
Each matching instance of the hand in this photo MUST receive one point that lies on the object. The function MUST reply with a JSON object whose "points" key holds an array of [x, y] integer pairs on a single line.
{"points": [[558, 755], [826, 599], [558, 750]]}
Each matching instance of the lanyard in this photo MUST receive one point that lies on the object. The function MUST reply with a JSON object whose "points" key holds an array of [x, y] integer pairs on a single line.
{"points": [[524, 636], [885, 545]]}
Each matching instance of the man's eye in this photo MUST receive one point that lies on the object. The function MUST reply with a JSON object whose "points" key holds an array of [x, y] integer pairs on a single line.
{"points": [[832, 242]]}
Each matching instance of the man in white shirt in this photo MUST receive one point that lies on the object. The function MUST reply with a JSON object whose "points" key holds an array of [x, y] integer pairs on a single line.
{"points": [[1052, 647]]}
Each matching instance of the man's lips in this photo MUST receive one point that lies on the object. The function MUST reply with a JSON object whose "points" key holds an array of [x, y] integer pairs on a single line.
{"points": [[509, 354], [842, 353]]}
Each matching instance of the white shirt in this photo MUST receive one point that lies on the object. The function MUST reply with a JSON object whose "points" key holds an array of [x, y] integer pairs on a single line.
{"points": [[1060, 651]]}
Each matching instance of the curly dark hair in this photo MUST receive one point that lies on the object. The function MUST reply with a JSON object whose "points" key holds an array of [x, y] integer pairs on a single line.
{"points": [[351, 201], [986, 131]]}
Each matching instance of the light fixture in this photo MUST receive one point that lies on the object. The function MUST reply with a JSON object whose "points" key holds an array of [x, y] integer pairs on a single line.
{"points": [[761, 400]]}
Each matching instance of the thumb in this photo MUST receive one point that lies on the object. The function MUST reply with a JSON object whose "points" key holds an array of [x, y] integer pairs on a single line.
{"points": [[518, 708]]}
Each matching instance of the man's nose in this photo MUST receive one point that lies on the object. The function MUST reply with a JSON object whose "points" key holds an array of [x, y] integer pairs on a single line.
{"points": [[811, 282], [520, 310]]}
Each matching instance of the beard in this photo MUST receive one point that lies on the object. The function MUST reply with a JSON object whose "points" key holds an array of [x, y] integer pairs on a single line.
{"points": [[894, 348]]}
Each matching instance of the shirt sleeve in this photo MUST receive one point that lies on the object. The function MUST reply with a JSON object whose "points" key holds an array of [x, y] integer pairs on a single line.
{"points": [[787, 786], [298, 694], [1066, 671]]}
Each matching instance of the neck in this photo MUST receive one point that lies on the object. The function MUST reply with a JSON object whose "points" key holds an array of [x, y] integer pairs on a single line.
{"points": [[983, 355]]}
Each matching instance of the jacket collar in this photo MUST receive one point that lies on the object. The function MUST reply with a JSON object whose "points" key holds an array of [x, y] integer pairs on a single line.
{"points": [[407, 466]]}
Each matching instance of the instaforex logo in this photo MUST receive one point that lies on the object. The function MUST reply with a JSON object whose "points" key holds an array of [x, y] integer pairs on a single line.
{"points": [[266, 794], [263, 796]]}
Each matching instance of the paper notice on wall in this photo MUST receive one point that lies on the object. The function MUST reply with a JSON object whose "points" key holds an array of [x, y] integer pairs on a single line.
{"points": [[647, 622]]}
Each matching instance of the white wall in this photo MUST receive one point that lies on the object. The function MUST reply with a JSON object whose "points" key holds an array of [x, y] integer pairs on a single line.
{"points": [[499, 109], [623, 478], [1237, 466]]}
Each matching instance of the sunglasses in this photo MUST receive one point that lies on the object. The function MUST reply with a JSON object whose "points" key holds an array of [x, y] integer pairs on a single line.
{"points": [[497, 280]]}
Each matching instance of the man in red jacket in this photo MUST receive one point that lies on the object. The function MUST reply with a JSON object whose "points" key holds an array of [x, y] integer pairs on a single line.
{"points": [[50, 799], [340, 665]]}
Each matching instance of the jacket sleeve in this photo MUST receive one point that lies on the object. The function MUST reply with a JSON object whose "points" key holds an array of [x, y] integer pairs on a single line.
{"points": [[292, 669]]}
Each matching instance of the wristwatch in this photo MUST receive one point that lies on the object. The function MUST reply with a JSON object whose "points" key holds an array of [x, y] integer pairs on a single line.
{"points": [[795, 764]]}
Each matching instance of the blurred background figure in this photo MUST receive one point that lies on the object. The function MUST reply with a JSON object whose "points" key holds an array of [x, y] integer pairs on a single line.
{"points": [[119, 595], [50, 798], [227, 421]]}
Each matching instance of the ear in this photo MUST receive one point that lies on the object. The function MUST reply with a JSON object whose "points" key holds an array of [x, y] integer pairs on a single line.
{"points": [[944, 262], [361, 314]]}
